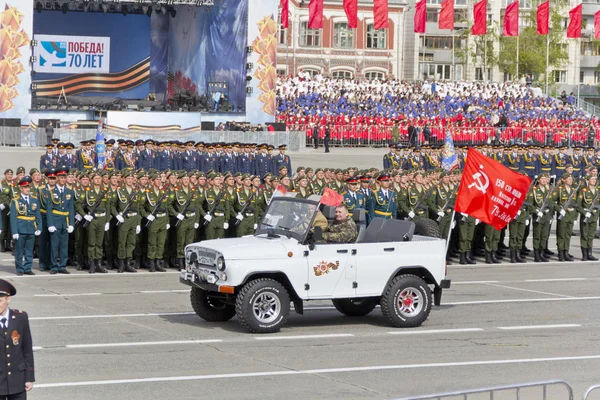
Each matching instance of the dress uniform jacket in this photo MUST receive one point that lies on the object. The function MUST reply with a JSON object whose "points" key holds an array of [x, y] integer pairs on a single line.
{"points": [[261, 165], [381, 206], [209, 161], [530, 164], [189, 160], [48, 161], [25, 218], [16, 356], [146, 160], [279, 160], [354, 200], [67, 160]]}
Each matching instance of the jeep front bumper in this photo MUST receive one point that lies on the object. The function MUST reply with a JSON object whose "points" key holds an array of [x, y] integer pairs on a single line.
{"points": [[194, 280]]}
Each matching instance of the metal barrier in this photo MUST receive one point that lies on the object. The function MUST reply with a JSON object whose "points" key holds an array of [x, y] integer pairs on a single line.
{"points": [[590, 390], [16, 136], [494, 390]]}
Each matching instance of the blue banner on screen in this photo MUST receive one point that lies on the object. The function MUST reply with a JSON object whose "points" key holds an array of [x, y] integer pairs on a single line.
{"points": [[71, 54]]}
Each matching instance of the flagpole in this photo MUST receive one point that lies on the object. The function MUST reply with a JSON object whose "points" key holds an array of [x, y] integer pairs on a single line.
{"points": [[453, 62], [547, 59], [517, 57], [578, 77], [449, 231]]}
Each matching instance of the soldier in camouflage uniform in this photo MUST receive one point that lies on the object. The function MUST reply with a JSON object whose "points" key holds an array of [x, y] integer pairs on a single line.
{"points": [[343, 229], [587, 202], [249, 218]]}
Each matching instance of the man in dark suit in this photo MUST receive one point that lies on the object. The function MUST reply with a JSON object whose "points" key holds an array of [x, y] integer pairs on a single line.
{"points": [[16, 356], [326, 141], [315, 135]]}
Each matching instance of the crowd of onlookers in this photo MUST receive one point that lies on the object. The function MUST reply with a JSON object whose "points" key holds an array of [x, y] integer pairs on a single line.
{"points": [[378, 111]]}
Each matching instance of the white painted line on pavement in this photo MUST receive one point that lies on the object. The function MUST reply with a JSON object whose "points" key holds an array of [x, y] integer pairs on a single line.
{"points": [[86, 346], [67, 294], [428, 331], [109, 316], [331, 335], [73, 274], [163, 291], [476, 302], [528, 290], [473, 282], [557, 280], [524, 327], [115, 293], [271, 374]]}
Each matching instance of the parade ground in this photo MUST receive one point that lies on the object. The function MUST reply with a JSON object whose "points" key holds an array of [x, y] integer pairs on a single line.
{"points": [[135, 336]]}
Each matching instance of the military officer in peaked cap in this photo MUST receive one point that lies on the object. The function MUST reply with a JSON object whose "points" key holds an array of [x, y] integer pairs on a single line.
{"points": [[16, 354], [25, 223]]}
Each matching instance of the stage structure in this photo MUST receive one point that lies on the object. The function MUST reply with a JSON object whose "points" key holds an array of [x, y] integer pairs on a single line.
{"points": [[149, 63]]}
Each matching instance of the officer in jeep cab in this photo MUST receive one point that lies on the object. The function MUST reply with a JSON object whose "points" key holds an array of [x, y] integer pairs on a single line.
{"points": [[343, 229]]}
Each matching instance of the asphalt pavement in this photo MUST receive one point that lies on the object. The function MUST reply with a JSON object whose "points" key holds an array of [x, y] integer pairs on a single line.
{"points": [[135, 336]]}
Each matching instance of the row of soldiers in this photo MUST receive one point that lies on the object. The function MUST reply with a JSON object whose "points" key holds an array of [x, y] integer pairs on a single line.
{"points": [[250, 158], [130, 219], [532, 159]]}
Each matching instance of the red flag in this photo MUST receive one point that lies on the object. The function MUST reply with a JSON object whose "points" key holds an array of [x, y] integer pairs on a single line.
{"points": [[511, 19], [597, 25], [285, 13], [331, 198], [446, 17], [479, 18], [543, 18], [574, 28], [380, 14], [489, 191], [420, 16], [315, 14], [351, 9]]}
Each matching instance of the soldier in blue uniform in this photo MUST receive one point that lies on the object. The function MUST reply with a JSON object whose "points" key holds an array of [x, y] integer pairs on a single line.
{"points": [[25, 225], [209, 160], [545, 161], [48, 160], [227, 162], [576, 160], [352, 197], [261, 161], [68, 159], [388, 158], [559, 162], [16, 357], [146, 156], [60, 214], [512, 160], [530, 163], [382, 203], [189, 159], [199, 155], [244, 162], [281, 159]]}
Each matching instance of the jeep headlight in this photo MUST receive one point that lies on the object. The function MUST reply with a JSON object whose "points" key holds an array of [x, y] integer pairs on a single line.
{"points": [[221, 264], [223, 276]]}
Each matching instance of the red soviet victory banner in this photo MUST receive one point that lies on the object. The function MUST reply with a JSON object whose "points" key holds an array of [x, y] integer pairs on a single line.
{"points": [[420, 16], [511, 19], [489, 191], [380, 14], [446, 17], [543, 18], [315, 14], [285, 13], [331, 198], [575, 18], [479, 18], [351, 9], [597, 25]]}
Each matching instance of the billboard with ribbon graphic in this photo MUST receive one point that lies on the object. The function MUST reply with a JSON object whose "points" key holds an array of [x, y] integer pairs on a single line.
{"points": [[71, 54]]}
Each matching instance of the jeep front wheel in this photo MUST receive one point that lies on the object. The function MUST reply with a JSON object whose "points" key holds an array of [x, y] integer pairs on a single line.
{"points": [[263, 306], [406, 302], [355, 307], [211, 309]]}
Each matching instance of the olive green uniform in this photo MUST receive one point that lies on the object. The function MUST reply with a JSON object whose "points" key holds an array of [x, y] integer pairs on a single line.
{"points": [[101, 215], [439, 199], [564, 225], [414, 195], [221, 214], [80, 240], [541, 225], [157, 231], [127, 229], [585, 202], [250, 215], [517, 228], [186, 229]]}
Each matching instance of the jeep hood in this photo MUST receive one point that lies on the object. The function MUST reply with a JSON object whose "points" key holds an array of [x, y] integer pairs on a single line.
{"points": [[250, 247]]}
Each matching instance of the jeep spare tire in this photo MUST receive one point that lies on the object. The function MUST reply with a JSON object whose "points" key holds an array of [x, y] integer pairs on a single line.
{"points": [[406, 302], [427, 227], [209, 308], [358, 307], [263, 306]]}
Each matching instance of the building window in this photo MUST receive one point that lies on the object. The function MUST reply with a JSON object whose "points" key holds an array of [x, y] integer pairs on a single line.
{"points": [[560, 76], [281, 71], [371, 75], [434, 1], [581, 76], [375, 38], [590, 49], [432, 15], [439, 42], [596, 77], [343, 37], [281, 34], [309, 37], [461, 15], [342, 74], [460, 3], [479, 74], [310, 71]]}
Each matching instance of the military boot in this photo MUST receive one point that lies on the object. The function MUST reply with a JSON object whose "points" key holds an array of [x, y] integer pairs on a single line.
{"points": [[536, 255], [110, 263], [151, 265], [561, 256], [488, 257], [100, 268], [128, 265], [121, 265], [518, 256], [159, 266], [463, 259], [92, 266], [567, 256], [584, 254], [591, 256], [494, 259], [513, 256]]}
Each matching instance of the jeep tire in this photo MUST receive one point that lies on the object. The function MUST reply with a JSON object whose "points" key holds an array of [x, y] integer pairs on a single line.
{"points": [[263, 306], [358, 307], [406, 301], [211, 309], [427, 227]]}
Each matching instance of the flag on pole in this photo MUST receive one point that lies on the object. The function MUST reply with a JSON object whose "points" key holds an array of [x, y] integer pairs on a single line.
{"points": [[285, 13], [597, 25], [446, 17], [380, 14], [449, 157], [351, 9], [331, 198], [420, 16], [100, 146], [511, 19], [543, 18], [575, 18], [479, 18], [489, 191], [315, 14]]}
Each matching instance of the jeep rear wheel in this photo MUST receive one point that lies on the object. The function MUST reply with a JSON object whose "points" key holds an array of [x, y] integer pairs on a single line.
{"points": [[406, 302], [427, 227], [263, 306], [358, 307], [210, 308]]}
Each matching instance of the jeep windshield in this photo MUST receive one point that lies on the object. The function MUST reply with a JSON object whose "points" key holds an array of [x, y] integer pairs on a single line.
{"points": [[288, 217]]}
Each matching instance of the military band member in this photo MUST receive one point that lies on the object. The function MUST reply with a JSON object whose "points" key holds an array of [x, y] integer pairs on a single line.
{"points": [[25, 222], [588, 209], [382, 203], [60, 216]]}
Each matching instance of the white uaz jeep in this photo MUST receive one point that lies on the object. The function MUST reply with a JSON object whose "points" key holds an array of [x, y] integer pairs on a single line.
{"points": [[397, 264]]}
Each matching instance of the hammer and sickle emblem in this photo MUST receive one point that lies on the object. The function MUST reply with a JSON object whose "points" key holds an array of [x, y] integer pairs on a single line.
{"points": [[481, 181]]}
